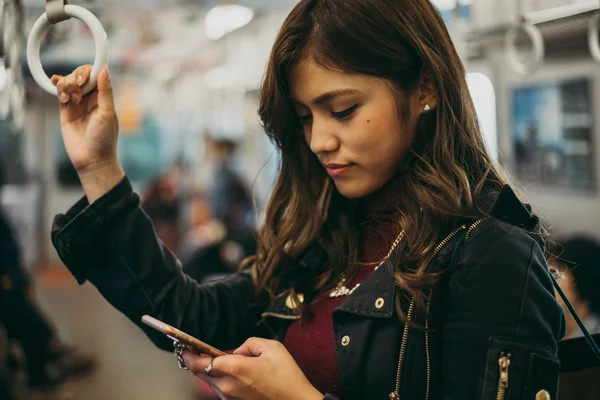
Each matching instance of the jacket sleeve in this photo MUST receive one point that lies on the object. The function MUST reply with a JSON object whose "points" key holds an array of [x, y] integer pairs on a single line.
{"points": [[112, 244], [503, 323]]}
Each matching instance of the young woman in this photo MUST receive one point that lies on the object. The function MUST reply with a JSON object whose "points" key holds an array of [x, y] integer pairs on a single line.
{"points": [[394, 262]]}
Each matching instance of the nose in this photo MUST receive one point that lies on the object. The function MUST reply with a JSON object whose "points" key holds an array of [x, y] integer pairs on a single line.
{"points": [[320, 137]]}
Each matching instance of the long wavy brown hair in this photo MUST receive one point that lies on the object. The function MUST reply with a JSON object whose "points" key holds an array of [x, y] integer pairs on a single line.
{"points": [[447, 178]]}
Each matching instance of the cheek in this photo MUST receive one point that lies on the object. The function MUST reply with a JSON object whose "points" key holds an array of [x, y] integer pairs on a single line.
{"points": [[383, 133]]}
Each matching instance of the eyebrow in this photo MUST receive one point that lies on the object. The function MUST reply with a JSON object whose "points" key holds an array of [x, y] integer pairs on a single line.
{"points": [[326, 97]]}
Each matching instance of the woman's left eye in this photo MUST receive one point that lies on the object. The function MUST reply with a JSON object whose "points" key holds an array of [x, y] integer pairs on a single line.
{"points": [[346, 113]]}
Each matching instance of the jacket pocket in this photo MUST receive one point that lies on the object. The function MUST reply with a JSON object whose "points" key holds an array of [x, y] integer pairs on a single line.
{"points": [[517, 370]]}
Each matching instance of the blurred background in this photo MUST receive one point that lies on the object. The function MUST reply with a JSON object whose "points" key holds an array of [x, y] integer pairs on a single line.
{"points": [[186, 76]]}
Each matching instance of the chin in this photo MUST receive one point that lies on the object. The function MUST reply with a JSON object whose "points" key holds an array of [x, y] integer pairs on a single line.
{"points": [[353, 189]]}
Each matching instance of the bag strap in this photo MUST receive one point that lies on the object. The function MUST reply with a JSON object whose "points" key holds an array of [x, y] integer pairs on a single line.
{"points": [[586, 333]]}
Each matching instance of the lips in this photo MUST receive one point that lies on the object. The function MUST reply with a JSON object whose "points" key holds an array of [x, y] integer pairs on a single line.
{"points": [[337, 170], [334, 167]]}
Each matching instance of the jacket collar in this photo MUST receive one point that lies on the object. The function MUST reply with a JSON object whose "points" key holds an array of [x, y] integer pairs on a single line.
{"points": [[509, 209], [375, 296]]}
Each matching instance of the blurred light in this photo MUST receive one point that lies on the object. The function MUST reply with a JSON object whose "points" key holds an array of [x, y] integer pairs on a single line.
{"points": [[3, 76], [445, 4], [484, 98], [226, 18]]}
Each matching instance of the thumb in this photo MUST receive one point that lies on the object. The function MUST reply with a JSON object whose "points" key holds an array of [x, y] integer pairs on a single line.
{"points": [[106, 101], [254, 347]]}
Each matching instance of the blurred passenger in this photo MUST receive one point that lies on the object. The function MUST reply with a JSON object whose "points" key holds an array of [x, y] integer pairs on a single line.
{"points": [[224, 223], [201, 256], [49, 361], [578, 264], [230, 198], [162, 202], [392, 244]]}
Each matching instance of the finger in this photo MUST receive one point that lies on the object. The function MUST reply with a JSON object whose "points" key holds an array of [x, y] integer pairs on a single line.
{"points": [[105, 92], [82, 74], [73, 89], [198, 364], [228, 365], [255, 347], [67, 87], [55, 79]]}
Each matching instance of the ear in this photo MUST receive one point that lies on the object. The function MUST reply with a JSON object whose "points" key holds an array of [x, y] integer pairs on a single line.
{"points": [[426, 98]]}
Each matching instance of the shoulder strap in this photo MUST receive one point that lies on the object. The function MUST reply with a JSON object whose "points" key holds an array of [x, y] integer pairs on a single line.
{"points": [[586, 333]]}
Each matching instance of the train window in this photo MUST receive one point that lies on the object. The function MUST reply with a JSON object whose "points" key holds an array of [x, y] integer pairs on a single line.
{"points": [[484, 97]]}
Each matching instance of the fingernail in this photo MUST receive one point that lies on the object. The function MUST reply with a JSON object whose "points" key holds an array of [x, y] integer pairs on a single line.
{"points": [[63, 97], [80, 80], [75, 98]]}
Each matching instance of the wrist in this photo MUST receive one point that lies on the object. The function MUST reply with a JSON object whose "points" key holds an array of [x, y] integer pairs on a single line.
{"points": [[100, 178]]}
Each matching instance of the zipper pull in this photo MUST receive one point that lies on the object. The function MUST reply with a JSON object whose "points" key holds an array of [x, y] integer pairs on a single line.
{"points": [[504, 364]]}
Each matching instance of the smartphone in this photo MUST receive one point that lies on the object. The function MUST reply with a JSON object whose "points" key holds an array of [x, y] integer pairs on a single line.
{"points": [[195, 345]]}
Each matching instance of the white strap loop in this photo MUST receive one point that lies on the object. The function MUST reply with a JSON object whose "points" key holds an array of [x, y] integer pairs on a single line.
{"points": [[55, 10], [593, 41], [35, 39], [530, 65]]}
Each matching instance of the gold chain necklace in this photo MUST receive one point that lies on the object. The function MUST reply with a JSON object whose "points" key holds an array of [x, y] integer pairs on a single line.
{"points": [[341, 289]]}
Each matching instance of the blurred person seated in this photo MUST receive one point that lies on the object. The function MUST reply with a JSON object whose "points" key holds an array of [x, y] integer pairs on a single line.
{"points": [[204, 230], [209, 250], [162, 203], [229, 197], [223, 219], [578, 266], [48, 360]]}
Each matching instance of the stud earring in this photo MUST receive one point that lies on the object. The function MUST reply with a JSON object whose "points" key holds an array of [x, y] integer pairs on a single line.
{"points": [[427, 107]]}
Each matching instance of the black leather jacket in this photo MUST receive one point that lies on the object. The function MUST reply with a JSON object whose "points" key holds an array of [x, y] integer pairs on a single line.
{"points": [[490, 331]]}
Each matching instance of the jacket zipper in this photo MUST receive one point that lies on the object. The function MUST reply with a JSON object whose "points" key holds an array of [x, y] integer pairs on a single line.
{"points": [[475, 225], [395, 395], [444, 242], [427, 352], [504, 364]]}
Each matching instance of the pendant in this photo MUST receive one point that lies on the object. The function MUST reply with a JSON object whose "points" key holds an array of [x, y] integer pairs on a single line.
{"points": [[343, 291], [394, 396]]}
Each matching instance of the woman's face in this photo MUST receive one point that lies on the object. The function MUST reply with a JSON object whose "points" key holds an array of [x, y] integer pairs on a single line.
{"points": [[351, 123]]}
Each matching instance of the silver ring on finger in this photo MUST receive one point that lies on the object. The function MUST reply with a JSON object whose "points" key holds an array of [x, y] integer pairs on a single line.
{"points": [[209, 367]]}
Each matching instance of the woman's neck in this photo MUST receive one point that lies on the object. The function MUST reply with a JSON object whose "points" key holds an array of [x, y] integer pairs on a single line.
{"points": [[379, 228], [385, 200]]}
